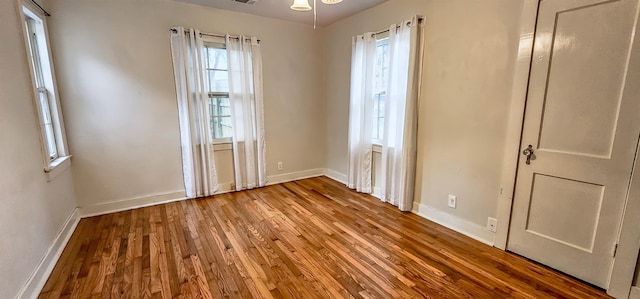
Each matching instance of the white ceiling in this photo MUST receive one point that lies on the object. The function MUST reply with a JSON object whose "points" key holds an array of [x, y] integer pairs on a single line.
{"points": [[279, 9]]}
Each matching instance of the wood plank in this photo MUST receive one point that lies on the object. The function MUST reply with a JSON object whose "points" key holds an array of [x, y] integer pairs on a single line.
{"points": [[311, 238]]}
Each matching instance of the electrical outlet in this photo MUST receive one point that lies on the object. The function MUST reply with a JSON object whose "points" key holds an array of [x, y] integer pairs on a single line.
{"points": [[492, 223], [452, 201], [280, 166]]}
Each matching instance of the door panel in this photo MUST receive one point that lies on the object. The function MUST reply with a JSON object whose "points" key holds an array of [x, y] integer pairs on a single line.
{"points": [[546, 213], [582, 107], [583, 125]]}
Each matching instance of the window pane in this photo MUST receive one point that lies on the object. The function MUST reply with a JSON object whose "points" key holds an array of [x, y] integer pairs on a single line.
{"points": [[224, 107], [34, 51], [382, 104], [220, 112], [221, 127], [380, 126], [218, 81], [217, 58], [51, 142], [378, 114], [215, 124], [47, 124], [378, 72], [219, 106], [381, 73], [225, 127], [381, 67]]}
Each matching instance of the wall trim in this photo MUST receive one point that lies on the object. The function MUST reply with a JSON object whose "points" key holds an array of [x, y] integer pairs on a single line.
{"points": [[621, 279], [293, 176], [162, 198], [33, 286], [133, 203], [463, 226], [455, 223], [626, 258], [335, 175]]}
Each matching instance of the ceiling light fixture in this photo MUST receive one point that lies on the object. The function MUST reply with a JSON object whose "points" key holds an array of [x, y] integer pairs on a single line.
{"points": [[303, 5]]}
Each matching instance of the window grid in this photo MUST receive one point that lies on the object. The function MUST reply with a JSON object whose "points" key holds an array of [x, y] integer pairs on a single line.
{"points": [[380, 85], [220, 116], [218, 86], [378, 115]]}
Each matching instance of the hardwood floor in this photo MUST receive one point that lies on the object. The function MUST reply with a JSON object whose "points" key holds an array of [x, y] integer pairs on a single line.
{"points": [[307, 239]]}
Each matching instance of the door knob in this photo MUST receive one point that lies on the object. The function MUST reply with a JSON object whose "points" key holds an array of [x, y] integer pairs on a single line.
{"points": [[528, 152]]}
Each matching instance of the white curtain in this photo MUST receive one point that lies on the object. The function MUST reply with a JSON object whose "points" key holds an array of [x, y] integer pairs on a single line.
{"points": [[199, 170], [398, 163], [397, 169], [245, 95], [361, 112]]}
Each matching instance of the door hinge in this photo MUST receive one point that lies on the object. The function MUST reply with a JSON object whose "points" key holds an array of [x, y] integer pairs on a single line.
{"points": [[615, 249]]}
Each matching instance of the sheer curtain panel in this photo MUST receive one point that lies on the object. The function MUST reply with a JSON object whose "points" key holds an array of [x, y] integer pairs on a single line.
{"points": [[199, 170], [245, 95], [402, 89], [399, 145], [361, 112]]}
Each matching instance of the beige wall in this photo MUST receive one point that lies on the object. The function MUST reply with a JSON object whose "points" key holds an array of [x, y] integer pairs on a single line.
{"points": [[116, 84], [468, 69], [117, 91], [32, 211], [122, 123]]}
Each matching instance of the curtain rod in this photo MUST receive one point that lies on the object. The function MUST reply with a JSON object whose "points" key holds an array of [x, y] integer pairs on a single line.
{"points": [[212, 34], [41, 9], [420, 19]]}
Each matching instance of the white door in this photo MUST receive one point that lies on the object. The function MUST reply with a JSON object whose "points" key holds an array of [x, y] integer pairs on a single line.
{"points": [[582, 120]]}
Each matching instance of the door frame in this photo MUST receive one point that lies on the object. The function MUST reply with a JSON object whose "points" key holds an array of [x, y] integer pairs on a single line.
{"points": [[624, 263], [515, 122]]}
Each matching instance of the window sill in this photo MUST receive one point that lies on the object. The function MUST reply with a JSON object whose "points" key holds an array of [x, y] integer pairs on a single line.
{"points": [[377, 148], [57, 167], [222, 146]]}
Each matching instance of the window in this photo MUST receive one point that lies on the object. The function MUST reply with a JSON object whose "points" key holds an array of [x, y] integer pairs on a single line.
{"points": [[218, 86], [380, 87], [46, 99]]}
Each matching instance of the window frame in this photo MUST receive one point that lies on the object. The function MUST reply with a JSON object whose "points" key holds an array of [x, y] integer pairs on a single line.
{"points": [[44, 81], [380, 41], [219, 95], [218, 43]]}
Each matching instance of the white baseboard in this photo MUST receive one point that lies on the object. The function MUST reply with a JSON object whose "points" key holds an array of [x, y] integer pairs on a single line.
{"points": [[455, 223], [40, 274], [156, 199], [340, 177], [293, 176], [128, 204]]}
